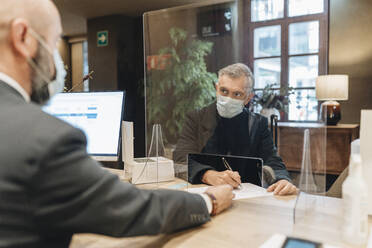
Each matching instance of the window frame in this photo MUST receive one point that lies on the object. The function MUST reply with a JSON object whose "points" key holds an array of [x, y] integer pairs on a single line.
{"points": [[284, 22]]}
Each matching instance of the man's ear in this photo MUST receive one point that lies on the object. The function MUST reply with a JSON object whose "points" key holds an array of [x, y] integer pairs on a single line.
{"points": [[20, 39], [249, 98]]}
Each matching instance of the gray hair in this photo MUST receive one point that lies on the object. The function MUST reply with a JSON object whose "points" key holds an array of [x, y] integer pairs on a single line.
{"points": [[239, 70]]}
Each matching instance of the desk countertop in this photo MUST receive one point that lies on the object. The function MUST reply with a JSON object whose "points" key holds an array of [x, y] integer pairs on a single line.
{"points": [[316, 125], [249, 223]]}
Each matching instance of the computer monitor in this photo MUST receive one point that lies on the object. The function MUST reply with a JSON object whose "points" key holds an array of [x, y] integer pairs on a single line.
{"points": [[97, 114]]}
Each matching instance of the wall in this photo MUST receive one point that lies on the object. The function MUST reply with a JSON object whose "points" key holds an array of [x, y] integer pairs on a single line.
{"points": [[350, 52], [119, 66], [103, 60]]}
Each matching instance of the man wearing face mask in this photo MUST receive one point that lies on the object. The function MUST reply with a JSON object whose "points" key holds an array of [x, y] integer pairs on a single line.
{"points": [[49, 187], [226, 127]]}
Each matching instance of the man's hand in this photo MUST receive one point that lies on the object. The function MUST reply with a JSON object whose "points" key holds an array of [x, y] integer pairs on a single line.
{"points": [[224, 196], [282, 187], [214, 178]]}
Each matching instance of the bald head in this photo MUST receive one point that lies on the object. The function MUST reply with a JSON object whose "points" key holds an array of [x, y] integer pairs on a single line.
{"points": [[41, 15], [28, 28]]}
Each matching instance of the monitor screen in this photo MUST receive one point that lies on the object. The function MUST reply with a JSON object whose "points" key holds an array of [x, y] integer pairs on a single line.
{"points": [[97, 114]]}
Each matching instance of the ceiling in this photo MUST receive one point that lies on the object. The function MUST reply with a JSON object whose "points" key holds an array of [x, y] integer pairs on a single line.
{"points": [[75, 13]]}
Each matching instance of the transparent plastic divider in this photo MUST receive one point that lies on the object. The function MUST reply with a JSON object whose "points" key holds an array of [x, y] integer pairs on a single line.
{"points": [[305, 204], [176, 85], [156, 170], [182, 56], [307, 182], [311, 202]]}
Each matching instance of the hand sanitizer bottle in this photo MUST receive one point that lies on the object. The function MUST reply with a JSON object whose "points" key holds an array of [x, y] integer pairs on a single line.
{"points": [[354, 195]]}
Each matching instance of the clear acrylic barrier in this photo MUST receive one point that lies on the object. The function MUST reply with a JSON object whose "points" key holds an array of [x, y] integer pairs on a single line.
{"points": [[155, 170], [311, 181], [184, 49], [182, 60]]}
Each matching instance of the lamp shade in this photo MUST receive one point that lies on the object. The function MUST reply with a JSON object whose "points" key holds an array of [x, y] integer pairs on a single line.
{"points": [[332, 87]]}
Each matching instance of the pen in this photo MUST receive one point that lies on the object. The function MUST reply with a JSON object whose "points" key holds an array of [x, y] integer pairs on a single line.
{"points": [[227, 166]]}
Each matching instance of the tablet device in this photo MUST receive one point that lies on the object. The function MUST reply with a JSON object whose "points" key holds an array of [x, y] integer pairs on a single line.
{"points": [[249, 168], [300, 243]]}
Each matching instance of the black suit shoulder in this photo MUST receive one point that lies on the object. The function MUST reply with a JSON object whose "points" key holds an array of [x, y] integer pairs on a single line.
{"points": [[51, 188], [32, 133]]}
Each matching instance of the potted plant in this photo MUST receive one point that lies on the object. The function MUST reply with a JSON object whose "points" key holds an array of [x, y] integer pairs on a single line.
{"points": [[182, 83], [273, 99]]}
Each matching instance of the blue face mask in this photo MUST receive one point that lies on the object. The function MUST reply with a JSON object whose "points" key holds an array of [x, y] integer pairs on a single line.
{"points": [[228, 107], [45, 85]]}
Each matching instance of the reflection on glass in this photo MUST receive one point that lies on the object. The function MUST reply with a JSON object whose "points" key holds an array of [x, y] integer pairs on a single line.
{"points": [[208, 24], [85, 64], [303, 106], [304, 37], [266, 71], [302, 71], [267, 41], [305, 7], [257, 108], [178, 81], [262, 10]]}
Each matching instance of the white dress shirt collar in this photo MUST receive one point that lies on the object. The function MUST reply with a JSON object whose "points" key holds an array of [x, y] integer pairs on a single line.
{"points": [[15, 85]]}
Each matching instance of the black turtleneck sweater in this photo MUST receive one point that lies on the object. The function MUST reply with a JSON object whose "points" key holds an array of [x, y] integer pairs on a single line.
{"points": [[231, 136], [246, 134]]}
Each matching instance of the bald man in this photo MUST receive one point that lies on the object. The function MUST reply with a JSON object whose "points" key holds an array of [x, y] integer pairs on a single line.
{"points": [[49, 187]]}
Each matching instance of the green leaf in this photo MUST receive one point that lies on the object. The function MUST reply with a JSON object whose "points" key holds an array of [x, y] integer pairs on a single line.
{"points": [[183, 86]]}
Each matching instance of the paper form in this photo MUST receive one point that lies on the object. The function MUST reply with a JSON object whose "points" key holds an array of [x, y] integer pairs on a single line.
{"points": [[248, 190]]}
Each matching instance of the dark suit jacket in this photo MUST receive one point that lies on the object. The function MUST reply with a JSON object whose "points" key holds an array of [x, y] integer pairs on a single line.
{"points": [[199, 127], [50, 188]]}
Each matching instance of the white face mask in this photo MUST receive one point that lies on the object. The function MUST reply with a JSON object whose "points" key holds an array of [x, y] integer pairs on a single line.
{"points": [[228, 107], [44, 87], [56, 86]]}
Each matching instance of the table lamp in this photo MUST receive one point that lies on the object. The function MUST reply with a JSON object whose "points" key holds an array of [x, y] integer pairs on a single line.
{"points": [[331, 88]]}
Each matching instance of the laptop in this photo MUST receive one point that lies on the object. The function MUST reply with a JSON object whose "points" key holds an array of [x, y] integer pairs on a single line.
{"points": [[249, 168]]}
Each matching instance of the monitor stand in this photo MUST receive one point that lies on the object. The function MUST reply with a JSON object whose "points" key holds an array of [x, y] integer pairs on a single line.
{"points": [[113, 165]]}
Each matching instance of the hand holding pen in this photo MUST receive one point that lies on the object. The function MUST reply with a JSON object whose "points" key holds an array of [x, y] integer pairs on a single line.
{"points": [[235, 175], [228, 176]]}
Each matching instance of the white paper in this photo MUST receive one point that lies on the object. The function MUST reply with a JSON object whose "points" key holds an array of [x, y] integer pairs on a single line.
{"points": [[275, 241], [370, 239], [248, 190]]}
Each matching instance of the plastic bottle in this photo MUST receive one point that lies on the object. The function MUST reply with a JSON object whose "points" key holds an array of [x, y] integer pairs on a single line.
{"points": [[354, 195]]}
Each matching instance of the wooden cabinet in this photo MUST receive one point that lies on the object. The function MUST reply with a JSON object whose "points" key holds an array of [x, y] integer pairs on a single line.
{"points": [[336, 139]]}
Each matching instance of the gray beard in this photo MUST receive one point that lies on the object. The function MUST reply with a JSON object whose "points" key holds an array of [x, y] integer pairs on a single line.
{"points": [[40, 91]]}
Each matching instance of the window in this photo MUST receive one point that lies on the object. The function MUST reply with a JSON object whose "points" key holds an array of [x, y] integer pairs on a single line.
{"points": [[267, 10], [286, 44]]}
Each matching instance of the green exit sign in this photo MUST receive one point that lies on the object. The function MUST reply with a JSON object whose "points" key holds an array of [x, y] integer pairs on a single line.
{"points": [[102, 38]]}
